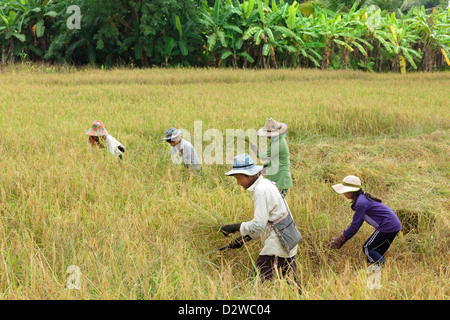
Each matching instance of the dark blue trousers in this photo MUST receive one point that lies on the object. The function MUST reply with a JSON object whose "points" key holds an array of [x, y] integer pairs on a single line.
{"points": [[376, 246]]}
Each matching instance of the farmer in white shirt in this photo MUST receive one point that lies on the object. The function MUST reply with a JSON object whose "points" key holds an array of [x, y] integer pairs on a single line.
{"points": [[98, 136], [182, 151], [269, 206]]}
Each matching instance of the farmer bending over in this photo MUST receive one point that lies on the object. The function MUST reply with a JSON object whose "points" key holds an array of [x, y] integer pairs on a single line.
{"points": [[269, 206], [182, 151], [370, 209], [99, 137]]}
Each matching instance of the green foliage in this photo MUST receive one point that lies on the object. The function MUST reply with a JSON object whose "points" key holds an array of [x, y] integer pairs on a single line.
{"points": [[237, 33]]}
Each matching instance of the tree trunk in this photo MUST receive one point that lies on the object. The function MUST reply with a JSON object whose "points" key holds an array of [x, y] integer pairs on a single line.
{"points": [[325, 58], [427, 59], [394, 64], [380, 58], [380, 62], [235, 60], [439, 60], [345, 57], [3, 54], [259, 62], [244, 66], [11, 50], [274, 61]]}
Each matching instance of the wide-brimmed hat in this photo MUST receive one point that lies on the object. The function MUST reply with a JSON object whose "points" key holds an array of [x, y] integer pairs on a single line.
{"points": [[243, 164], [272, 128], [349, 184], [97, 129], [172, 133]]}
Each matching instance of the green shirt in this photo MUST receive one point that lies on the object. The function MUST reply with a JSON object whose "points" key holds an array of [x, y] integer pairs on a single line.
{"points": [[277, 160]]}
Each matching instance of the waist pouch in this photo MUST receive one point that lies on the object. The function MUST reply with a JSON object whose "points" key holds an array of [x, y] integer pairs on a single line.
{"points": [[287, 232]]}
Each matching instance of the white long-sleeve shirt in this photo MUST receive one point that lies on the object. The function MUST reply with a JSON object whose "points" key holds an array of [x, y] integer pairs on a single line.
{"points": [[185, 153], [113, 145], [268, 206]]}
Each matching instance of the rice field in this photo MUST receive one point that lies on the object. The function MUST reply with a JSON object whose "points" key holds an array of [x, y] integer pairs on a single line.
{"points": [[143, 228]]}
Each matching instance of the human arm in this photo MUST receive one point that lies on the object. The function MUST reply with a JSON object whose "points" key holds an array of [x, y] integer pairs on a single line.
{"points": [[258, 224], [114, 146], [230, 228], [358, 219], [238, 242]]}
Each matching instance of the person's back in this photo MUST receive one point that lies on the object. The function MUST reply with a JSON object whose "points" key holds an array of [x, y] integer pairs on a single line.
{"points": [[276, 158], [278, 168], [186, 153], [377, 214], [182, 151]]}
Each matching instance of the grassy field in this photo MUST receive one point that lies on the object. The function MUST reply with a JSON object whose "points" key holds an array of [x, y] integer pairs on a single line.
{"points": [[144, 229]]}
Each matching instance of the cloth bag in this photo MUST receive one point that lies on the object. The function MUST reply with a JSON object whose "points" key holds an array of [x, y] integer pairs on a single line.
{"points": [[286, 230]]}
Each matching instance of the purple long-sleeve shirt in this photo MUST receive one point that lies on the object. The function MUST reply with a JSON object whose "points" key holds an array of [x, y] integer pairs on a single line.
{"points": [[377, 214]]}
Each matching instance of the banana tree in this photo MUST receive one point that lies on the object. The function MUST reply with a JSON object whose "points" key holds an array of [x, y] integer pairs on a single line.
{"points": [[434, 33], [331, 27], [178, 41], [234, 52], [400, 40], [10, 29], [375, 34], [187, 37], [216, 22], [263, 32], [353, 35], [38, 12], [31, 16], [302, 36], [165, 46]]}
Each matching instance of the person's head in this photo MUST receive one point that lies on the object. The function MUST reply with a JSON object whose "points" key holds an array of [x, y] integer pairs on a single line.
{"points": [[351, 188], [172, 136], [244, 170], [272, 129], [244, 180], [349, 185], [174, 142], [97, 138], [96, 131], [348, 195]]}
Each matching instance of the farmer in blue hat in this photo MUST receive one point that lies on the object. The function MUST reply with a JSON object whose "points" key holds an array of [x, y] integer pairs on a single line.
{"points": [[269, 206], [182, 151]]}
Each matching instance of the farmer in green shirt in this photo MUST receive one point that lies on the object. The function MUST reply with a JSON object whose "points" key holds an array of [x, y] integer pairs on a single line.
{"points": [[276, 159]]}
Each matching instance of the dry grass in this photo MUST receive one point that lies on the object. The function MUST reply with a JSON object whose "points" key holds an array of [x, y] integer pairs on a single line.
{"points": [[143, 229]]}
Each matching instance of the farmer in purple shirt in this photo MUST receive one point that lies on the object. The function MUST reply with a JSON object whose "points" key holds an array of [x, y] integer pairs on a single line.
{"points": [[374, 212]]}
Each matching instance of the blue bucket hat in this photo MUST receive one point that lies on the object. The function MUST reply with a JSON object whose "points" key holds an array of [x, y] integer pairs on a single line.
{"points": [[243, 164]]}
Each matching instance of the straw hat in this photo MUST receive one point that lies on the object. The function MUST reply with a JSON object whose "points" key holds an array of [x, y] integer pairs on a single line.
{"points": [[172, 133], [243, 164], [272, 128], [349, 184], [97, 129]]}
